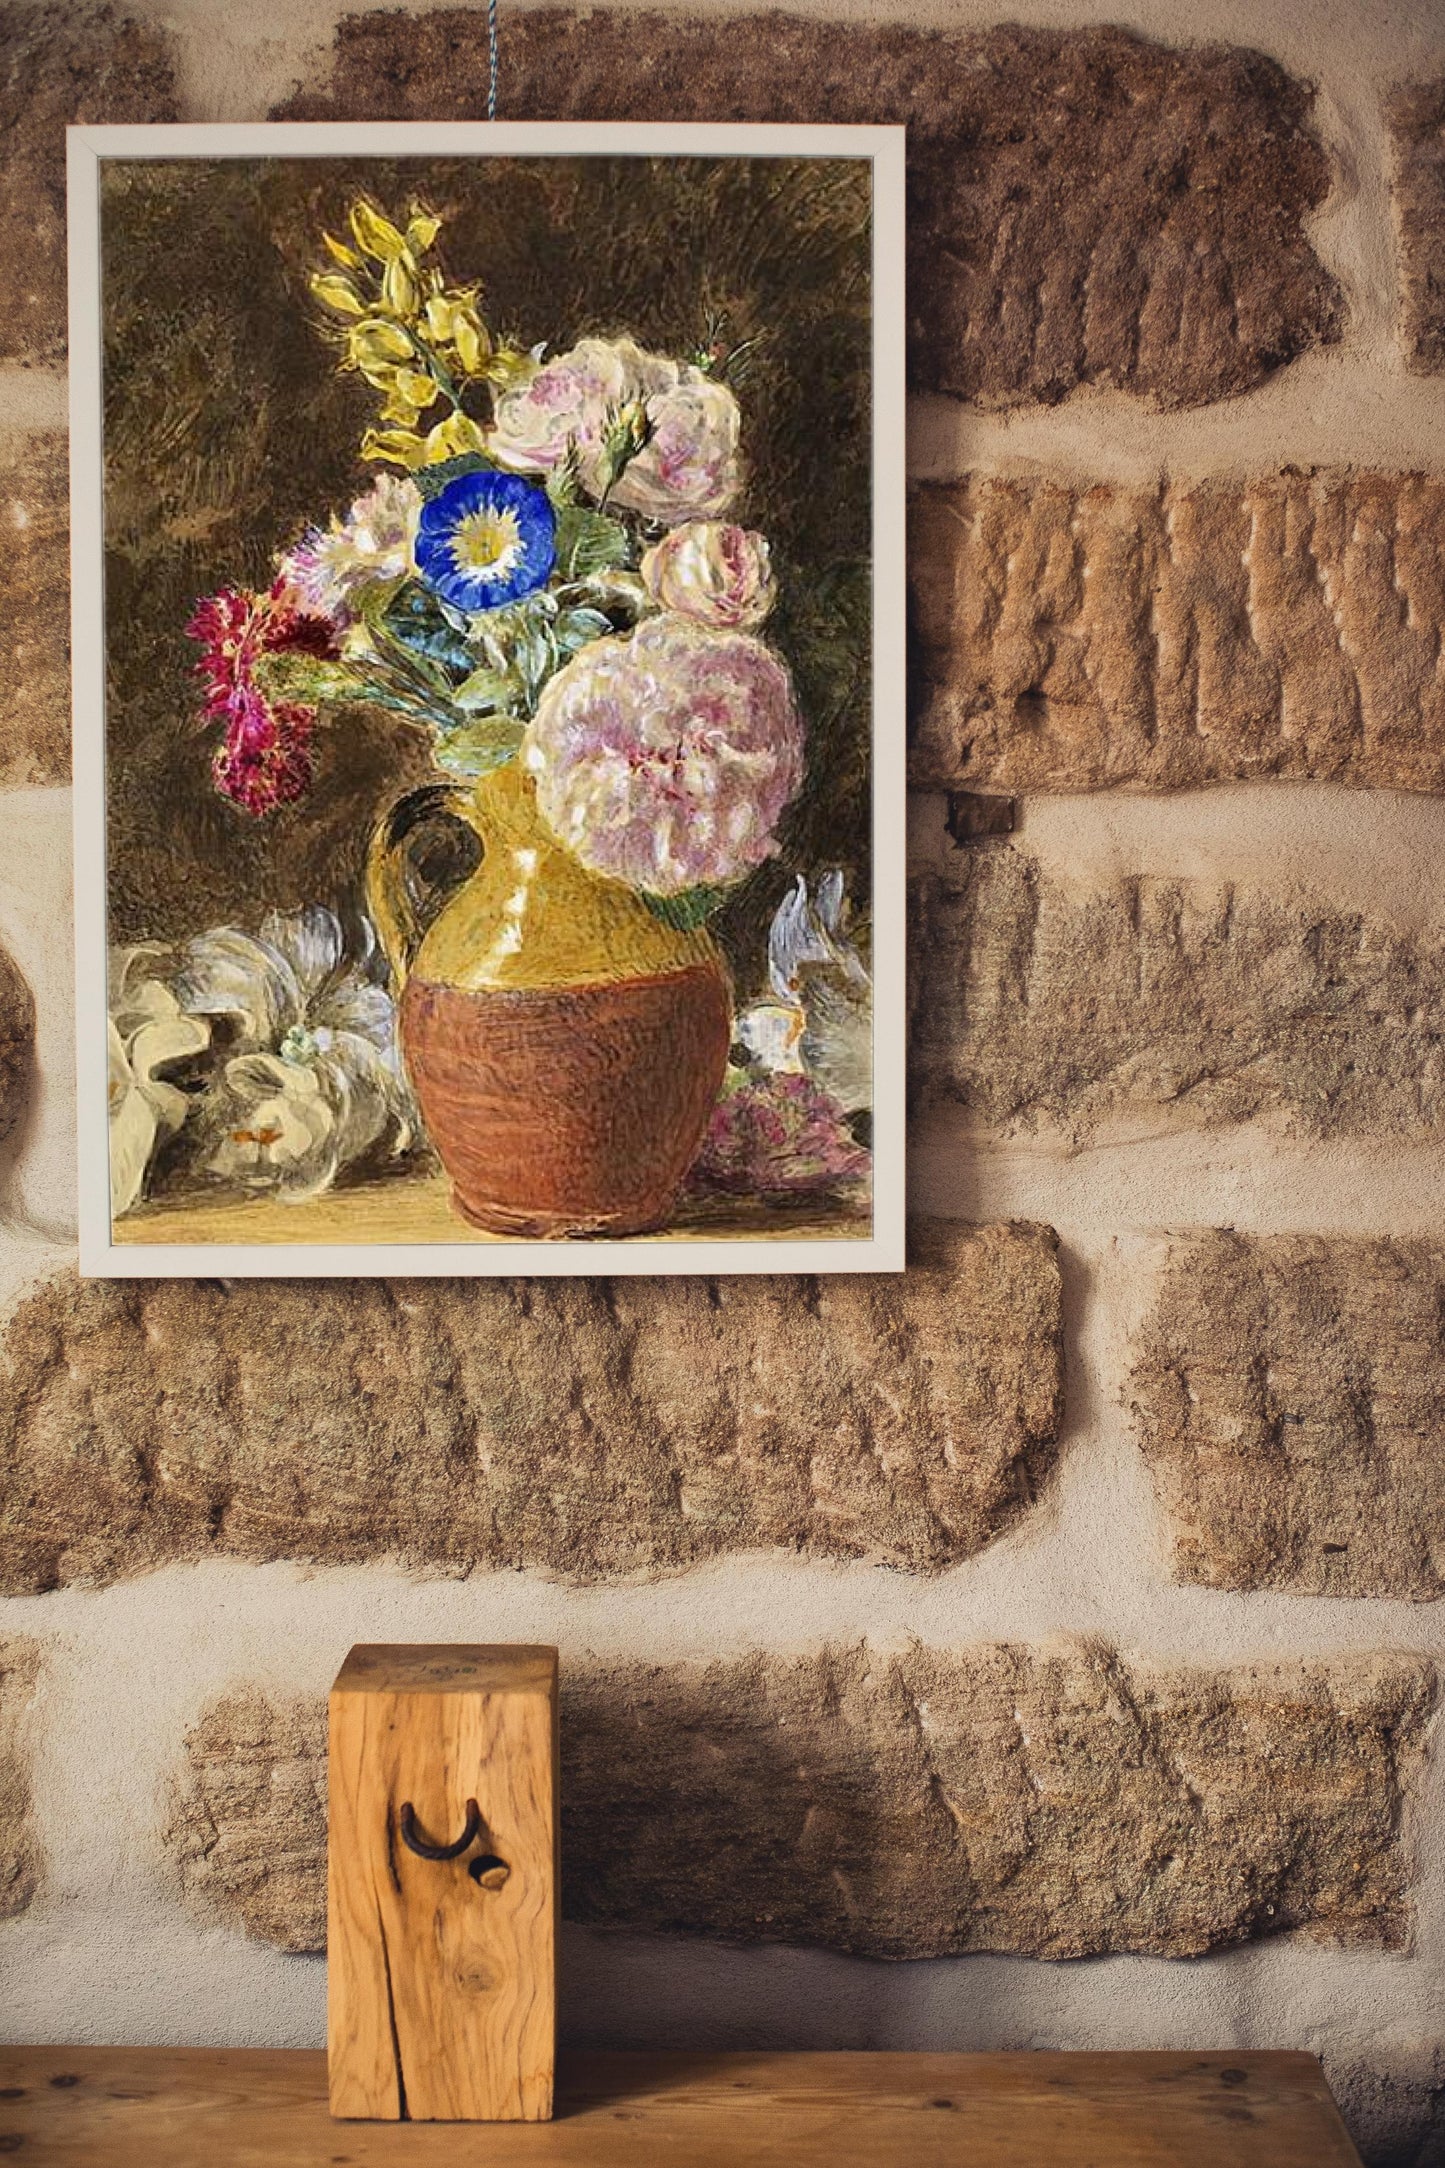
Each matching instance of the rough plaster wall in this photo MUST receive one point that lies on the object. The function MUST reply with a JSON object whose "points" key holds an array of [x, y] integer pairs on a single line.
{"points": [[107, 1949]]}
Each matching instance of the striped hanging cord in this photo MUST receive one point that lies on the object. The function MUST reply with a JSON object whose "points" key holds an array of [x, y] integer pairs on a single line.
{"points": [[491, 59]]}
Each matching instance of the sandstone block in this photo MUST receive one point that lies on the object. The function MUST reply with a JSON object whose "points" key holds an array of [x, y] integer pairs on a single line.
{"points": [[1052, 1802], [34, 610], [17, 1042], [1074, 638], [1048, 1007], [1417, 118], [248, 1821], [1085, 207], [588, 1428], [1290, 1395], [60, 65], [19, 1847]]}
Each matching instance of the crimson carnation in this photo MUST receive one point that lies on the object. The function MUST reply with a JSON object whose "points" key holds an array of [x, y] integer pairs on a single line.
{"points": [[266, 758]]}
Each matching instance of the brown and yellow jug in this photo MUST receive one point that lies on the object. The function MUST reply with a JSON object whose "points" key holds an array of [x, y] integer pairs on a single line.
{"points": [[565, 1044]]}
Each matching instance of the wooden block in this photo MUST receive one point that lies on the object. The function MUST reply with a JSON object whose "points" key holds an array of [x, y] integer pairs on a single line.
{"points": [[441, 2002]]}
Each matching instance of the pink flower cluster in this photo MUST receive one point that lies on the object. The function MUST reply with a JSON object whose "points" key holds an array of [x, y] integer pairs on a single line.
{"points": [[266, 758], [777, 1135], [689, 468], [330, 566], [665, 758]]}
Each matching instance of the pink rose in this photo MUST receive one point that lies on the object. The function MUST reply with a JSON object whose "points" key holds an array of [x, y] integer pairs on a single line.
{"points": [[665, 758], [687, 470], [718, 574], [566, 403]]}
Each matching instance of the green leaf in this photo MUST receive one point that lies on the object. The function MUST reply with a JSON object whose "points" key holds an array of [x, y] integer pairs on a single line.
{"points": [[420, 622], [478, 747], [535, 658], [579, 628], [431, 481], [485, 690], [687, 911], [308, 678], [590, 542], [564, 480]]}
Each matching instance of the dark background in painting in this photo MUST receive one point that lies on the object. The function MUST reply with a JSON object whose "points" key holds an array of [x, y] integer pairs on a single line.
{"points": [[229, 428]]}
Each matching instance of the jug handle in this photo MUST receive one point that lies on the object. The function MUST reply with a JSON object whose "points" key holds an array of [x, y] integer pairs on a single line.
{"points": [[389, 897]]}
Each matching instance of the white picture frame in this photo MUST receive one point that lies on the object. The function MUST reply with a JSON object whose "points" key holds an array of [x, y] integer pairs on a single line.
{"points": [[161, 1252]]}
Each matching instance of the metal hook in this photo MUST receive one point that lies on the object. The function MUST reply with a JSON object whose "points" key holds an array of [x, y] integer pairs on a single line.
{"points": [[423, 1850]]}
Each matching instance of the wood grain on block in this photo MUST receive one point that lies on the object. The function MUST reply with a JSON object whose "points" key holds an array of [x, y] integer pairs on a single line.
{"points": [[441, 1973], [1290, 1397], [266, 2108], [1085, 206], [592, 1428], [1076, 1008], [1052, 1801], [1416, 113], [1074, 637]]}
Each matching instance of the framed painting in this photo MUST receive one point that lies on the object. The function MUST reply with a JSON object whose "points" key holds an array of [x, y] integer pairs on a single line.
{"points": [[488, 555]]}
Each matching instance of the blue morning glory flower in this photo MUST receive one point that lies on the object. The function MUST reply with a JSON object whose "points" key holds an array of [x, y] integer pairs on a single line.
{"points": [[485, 540]]}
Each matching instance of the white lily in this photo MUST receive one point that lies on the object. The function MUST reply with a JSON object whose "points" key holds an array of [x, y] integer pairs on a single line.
{"points": [[149, 1032], [312, 1079], [819, 1021]]}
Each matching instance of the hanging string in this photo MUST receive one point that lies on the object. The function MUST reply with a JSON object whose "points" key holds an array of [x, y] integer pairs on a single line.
{"points": [[491, 59]]}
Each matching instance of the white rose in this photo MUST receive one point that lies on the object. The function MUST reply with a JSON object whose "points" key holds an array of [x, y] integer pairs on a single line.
{"points": [[148, 1034], [565, 404], [689, 468], [717, 574]]}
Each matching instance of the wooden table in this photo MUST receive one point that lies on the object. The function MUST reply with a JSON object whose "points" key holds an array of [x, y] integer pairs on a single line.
{"points": [[241, 2108], [418, 1208]]}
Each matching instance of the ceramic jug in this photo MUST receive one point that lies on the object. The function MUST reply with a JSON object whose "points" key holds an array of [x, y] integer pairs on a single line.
{"points": [[565, 1043]]}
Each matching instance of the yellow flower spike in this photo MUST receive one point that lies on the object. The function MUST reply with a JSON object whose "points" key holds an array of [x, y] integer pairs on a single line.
{"points": [[400, 286], [422, 231], [400, 447], [377, 343], [439, 317], [375, 236], [417, 386], [457, 434], [399, 408], [383, 379], [509, 367], [335, 292], [471, 339], [340, 253]]}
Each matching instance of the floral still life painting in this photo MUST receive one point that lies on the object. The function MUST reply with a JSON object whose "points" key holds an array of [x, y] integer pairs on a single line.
{"points": [[497, 799]]}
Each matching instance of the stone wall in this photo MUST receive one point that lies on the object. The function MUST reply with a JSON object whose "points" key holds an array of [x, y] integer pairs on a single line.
{"points": [[1075, 1596]]}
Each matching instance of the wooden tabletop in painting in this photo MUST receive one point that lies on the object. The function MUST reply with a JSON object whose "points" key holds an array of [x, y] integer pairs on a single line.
{"points": [[266, 2108], [418, 1208]]}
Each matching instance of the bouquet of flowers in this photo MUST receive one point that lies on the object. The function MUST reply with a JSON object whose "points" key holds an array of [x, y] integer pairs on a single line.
{"points": [[540, 571]]}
